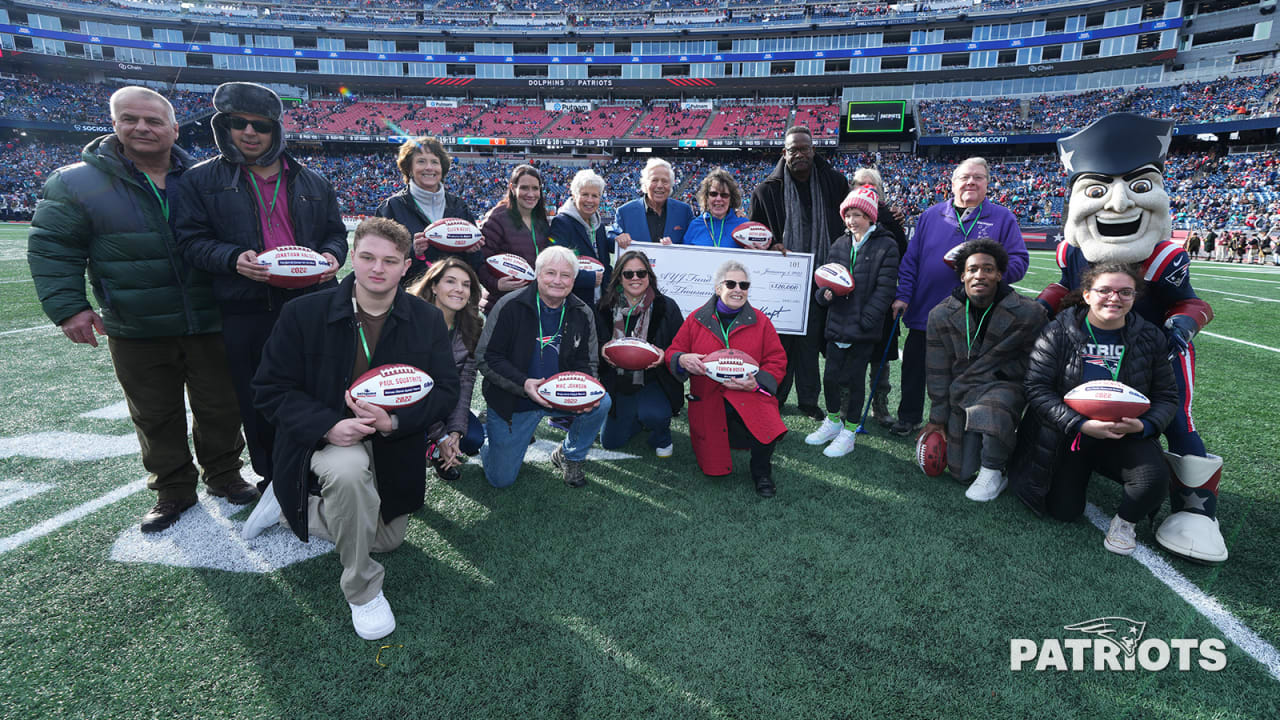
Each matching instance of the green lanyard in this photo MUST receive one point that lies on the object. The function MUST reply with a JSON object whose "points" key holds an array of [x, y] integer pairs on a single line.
{"points": [[542, 336], [1115, 374], [257, 192], [368, 356], [972, 225], [533, 234], [723, 331], [421, 209], [716, 237], [626, 322], [164, 202], [853, 252], [970, 338]]}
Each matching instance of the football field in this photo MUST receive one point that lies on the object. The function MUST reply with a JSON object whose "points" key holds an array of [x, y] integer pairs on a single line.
{"points": [[864, 589]]}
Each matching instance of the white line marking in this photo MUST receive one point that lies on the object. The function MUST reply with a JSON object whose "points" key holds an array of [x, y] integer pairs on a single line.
{"points": [[1242, 302], [1224, 292], [11, 491], [1242, 342], [1236, 277], [11, 282], [30, 329], [65, 518], [116, 411], [1207, 605], [60, 445]]}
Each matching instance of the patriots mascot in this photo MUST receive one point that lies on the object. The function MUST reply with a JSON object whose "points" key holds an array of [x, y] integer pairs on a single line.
{"points": [[1118, 211]]}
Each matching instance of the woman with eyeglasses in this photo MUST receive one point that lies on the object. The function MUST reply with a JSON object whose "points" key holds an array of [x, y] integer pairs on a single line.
{"points": [[632, 306], [452, 286], [424, 164], [720, 198], [740, 412], [1059, 449], [517, 225]]}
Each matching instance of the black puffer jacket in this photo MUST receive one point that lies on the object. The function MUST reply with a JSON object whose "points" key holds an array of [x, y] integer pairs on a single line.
{"points": [[859, 316], [401, 208], [1056, 367], [217, 220]]}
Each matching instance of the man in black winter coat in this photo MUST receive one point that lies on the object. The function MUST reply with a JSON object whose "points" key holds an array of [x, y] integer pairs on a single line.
{"points": [[347, 470], [252, 198], [800, 203]]}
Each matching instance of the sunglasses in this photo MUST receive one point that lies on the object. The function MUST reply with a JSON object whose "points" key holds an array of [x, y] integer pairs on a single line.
{"points": [[716, 194], [732, 284], [635, 274], [262, 126]]}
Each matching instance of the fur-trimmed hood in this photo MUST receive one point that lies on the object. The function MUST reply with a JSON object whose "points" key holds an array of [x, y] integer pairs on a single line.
{"points": [[246, 97]]}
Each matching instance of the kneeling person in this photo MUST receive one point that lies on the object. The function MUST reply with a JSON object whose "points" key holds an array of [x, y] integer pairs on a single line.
{"points": [[977, 345], [530, 335], [346, 470]]}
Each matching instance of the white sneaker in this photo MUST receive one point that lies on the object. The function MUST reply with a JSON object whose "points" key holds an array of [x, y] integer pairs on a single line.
{"points": [[373, 620], [666, 452], [988, 486], [824, 434], [1120, 537], [842, 445], [265, 514]]}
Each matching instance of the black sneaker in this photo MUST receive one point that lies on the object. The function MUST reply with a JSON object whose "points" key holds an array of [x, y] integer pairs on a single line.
{"points": [[764, 486], [237, 492], [903, 428], [812, 411], [164, 515], [573, 474]]}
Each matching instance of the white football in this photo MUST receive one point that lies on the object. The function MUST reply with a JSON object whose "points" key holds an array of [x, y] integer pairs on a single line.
{"points": [[1106, 400], [392, 386], [835, 277], [729, 364], [631, 353], [293, 266], [510, 265], [590, 264], [571, 390], [453, 235], [754, 235]]}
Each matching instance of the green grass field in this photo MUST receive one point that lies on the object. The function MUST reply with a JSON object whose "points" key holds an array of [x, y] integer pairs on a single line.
{"points": [[864, 589]]}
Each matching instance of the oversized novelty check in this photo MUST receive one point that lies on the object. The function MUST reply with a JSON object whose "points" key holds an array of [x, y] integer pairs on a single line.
{"points": [[779, 284]]}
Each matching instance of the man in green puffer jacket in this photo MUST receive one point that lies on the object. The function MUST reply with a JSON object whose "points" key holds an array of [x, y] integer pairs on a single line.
{"points": [[110, 213]]}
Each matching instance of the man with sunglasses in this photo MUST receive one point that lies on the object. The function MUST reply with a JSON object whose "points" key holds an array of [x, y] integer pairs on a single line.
{"points": [[252, 198]]}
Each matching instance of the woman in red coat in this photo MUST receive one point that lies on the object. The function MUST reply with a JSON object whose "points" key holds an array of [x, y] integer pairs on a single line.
{"points": [[740, 412]]}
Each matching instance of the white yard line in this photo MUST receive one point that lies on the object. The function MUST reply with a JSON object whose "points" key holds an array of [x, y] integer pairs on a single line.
{"points": [[1242, 302], [1202, 288], [30, 329], [1242, 342], [1207, 605], [65, 518]]}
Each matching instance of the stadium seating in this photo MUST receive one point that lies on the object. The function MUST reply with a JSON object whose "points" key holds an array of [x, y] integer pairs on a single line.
{"points": [[671, 122], [759, 121], [603, 122]]}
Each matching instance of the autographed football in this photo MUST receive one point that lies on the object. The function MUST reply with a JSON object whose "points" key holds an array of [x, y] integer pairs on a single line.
{"points": [[453, 235], [590, 264], [931, 453], [729, 364], [392, 386], [835, 277], [293, 266], [510, 265], [1106, 400], [753, 235], [631, 353], [571, 390]]}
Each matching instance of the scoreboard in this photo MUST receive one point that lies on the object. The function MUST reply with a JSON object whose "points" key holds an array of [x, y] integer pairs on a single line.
{"points": [[876, 116]]}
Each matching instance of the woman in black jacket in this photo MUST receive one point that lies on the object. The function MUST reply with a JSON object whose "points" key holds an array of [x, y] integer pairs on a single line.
{"points": [[632, 306], [424, 164], [1058, 447], [452, 286]]}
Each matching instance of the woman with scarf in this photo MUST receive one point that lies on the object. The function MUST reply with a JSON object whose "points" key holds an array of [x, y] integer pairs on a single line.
{"points": [[632, 306], [516, 225], [741, 412], [452, 286], [720, 198], [1058, 448], [424, 164], [577, 226]]}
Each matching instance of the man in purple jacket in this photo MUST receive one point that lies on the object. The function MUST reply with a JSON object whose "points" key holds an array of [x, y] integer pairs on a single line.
{"points": [[925, 278]]}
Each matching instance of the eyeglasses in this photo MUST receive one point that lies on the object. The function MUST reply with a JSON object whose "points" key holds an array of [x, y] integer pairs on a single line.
{"points": [[718, 194], [732, 284], [262, 126], [1125, 293], [967, 178], [635, 274]]}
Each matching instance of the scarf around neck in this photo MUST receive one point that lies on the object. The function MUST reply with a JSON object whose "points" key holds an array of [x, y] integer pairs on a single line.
{"points": [[633, 321], [430, 203], [818, 240]]}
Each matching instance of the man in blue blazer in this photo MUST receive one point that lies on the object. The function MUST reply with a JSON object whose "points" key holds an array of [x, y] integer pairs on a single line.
{"points": [[654, 217]]}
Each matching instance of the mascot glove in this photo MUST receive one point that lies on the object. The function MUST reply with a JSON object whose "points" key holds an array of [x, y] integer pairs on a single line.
{"points": [[1180, 329]]}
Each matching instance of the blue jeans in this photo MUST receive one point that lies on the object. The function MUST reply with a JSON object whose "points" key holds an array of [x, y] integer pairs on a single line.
{"points": [[508, 442], [473, 440], [648, 408]]}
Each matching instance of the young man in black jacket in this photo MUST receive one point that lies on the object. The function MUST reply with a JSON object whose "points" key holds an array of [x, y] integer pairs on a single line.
{"points": [[250, 199], [346, 470]]}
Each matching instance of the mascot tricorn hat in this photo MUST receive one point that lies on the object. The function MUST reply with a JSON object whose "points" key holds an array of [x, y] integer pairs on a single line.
{"points": [[1115, 144]]}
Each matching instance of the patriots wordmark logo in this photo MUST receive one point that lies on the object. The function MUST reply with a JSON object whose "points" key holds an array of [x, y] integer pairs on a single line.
{"points": [[1117, 644], [1120, 631]]}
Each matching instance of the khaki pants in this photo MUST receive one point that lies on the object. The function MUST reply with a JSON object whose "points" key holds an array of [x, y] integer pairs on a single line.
{"points": [[347, 513], [154, 372]]}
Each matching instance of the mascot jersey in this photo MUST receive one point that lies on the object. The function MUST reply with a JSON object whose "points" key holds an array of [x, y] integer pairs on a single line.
{"points": [[1166, 272]]}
